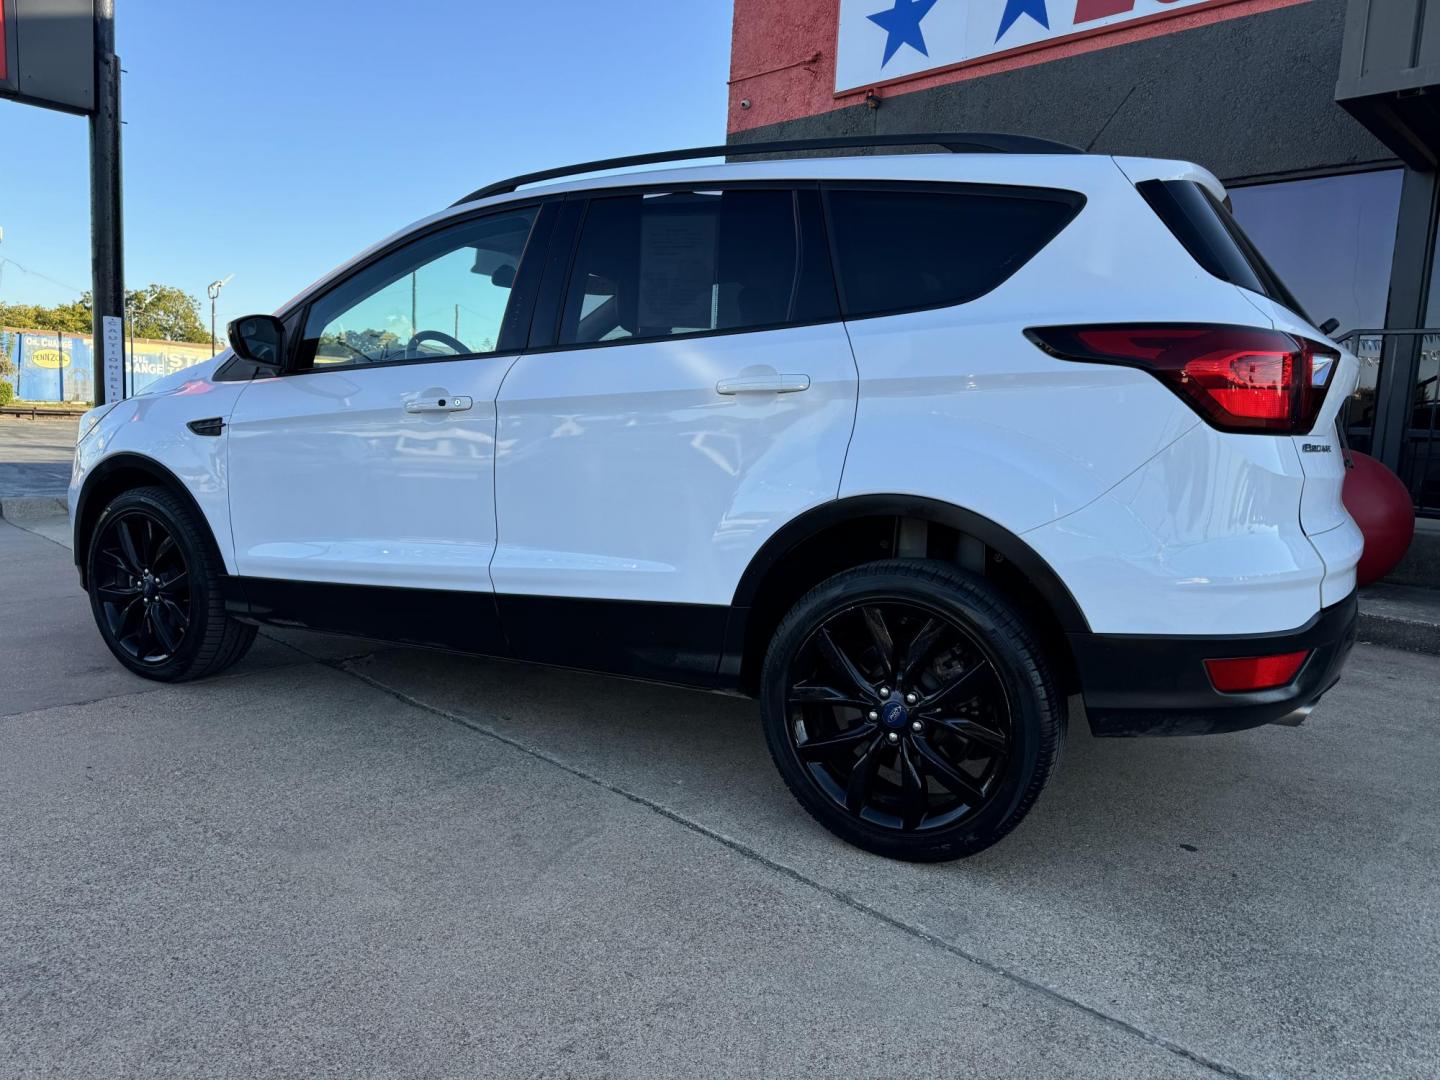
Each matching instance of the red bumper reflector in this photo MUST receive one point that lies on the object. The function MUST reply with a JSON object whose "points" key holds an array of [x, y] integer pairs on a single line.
{"points": [[1254, 672]]}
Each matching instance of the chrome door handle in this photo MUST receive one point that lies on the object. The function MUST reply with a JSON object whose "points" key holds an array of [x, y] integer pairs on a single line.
{"points": [[763, 384], [438, 404]]}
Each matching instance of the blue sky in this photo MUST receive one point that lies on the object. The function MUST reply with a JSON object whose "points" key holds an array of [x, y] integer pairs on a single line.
{"points": [[274, 140]]}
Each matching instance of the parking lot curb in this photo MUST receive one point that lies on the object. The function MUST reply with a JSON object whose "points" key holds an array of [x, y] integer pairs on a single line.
{"points": [[24, 508], [1401, 617]]}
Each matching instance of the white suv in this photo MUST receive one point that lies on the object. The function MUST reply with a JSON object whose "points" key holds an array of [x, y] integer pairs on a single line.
{"points": [[909, 447]]}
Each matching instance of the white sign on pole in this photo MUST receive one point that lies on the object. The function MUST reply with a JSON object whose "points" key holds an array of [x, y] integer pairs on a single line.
{"points": [[113, 329], [881, 40]]}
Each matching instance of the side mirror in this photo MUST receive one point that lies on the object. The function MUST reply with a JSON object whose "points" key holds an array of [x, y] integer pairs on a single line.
{"points": [[259, 339]]}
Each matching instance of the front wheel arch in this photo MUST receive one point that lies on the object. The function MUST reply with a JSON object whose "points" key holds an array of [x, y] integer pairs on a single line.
{"points": [[112, 477]]}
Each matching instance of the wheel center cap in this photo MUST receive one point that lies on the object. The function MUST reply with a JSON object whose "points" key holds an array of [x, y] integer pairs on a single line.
{"points": [[894, 714]]}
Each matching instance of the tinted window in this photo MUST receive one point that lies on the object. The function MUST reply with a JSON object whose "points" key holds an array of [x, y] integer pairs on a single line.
{"points": [[1214, 238], [658, 265], [443, 295], [901, 250]]}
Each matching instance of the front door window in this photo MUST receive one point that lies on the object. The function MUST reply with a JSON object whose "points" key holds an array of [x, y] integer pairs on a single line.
{"points": [[440, 297]]}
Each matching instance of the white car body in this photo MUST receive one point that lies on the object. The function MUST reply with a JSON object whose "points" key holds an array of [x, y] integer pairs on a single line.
{"points": [[622, 476]]}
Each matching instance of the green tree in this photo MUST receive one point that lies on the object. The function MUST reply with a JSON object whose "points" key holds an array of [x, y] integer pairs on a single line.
{"points": [[72, 318], [156, 311], [165, 312]]}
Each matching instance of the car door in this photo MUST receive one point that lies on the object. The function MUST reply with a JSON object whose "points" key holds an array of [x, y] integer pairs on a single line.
{"points": [[695, 393], [362, 479]]}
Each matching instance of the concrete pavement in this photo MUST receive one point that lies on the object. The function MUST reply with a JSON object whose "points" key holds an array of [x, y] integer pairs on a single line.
{"points": [[343, 859], [37, 454]]}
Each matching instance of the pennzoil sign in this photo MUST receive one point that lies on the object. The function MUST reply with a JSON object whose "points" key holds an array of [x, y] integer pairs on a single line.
{"points": [[880, 40]]}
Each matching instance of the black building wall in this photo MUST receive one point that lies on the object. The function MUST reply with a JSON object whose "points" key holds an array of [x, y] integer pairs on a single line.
{"points": [[1248, 97]]}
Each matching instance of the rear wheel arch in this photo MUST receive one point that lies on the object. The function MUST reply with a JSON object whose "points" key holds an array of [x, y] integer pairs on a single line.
{"points": [[114, 476], [846, 533]]}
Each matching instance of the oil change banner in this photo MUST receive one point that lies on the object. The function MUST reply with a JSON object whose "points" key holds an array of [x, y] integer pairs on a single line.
{"points": [[60, 367], [52, 367]]}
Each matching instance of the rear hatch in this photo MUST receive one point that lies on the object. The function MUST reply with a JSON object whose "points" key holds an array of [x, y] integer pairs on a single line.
{"points": [[1192, 208]]}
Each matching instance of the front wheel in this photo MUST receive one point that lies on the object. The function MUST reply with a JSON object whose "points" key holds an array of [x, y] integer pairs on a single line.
{"points": [[910, 710], [154, 578]]}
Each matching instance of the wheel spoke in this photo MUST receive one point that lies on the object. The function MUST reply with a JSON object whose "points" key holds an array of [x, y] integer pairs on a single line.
{"points": [[812, 694], [953, 691], [171, 583], [118, 559], [861, 777], [843, 665], [168, 637], [957, 781], [922, 645], [812, 749], [166, 545], [144, 635], [880, 635], [912, 790], [131, 557], [117, 594], [178, 615], [973, 731], [124, 616]]}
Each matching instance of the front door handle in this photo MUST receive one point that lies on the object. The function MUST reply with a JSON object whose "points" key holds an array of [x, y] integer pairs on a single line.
{"points": [[438, 404], [763, 384]]}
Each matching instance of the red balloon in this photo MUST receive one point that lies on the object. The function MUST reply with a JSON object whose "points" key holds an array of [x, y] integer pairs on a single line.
{"points": [[1380, 504]]}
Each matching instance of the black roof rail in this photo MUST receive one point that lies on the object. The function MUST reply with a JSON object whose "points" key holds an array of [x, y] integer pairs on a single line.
{"points": [[956, 142]]}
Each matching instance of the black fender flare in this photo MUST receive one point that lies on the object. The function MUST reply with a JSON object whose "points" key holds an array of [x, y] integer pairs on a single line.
{"points": [[87, 513], [815, 521]]}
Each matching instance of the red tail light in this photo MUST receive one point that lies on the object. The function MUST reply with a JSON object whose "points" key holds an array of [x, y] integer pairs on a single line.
{"points": [[1236, 377], [1254, 672]]}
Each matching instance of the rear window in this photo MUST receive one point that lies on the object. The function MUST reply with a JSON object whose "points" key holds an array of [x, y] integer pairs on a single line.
{"points": [[903, 250], [1214, 238]]}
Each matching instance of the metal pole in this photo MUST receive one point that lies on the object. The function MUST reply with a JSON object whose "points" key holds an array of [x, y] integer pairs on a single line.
{"points": [[213, 294], [107, 265]]}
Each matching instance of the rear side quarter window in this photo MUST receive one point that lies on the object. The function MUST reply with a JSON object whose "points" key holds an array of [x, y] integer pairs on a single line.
{"points": [[906, 248], [1214, 239]]}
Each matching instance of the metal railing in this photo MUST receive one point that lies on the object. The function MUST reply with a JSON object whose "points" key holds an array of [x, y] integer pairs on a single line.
{"points": [[1418, 459]]}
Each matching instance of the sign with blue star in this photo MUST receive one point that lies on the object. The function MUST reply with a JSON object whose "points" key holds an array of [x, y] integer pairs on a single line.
{"points": [[1015, 8], [901, 24], [882, 40]]}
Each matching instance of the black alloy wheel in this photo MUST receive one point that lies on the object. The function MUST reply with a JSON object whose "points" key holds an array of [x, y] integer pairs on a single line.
{"points": [[154, 575], [910, 711], [142, 586]]}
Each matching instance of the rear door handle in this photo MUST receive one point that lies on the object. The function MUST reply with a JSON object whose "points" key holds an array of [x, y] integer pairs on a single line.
{"points": [[438, 404], [763, 384]]}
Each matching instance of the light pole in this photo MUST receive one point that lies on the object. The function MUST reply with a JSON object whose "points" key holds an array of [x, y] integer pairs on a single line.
{"points": [[213, 291]]}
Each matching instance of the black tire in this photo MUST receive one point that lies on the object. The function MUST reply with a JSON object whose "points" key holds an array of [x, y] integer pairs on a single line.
{"points": [[154, 576], [956, 752]]}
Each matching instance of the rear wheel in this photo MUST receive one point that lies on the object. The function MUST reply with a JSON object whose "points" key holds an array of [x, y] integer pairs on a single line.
{"points": [[154, 578], [910, 710]]}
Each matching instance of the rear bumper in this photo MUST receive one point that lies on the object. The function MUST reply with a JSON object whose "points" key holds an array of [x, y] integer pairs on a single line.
{"points": [[1143, 685]]}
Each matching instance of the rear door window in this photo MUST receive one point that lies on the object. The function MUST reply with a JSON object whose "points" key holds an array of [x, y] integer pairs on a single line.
{"points": [[907, 248], [666, 264]]}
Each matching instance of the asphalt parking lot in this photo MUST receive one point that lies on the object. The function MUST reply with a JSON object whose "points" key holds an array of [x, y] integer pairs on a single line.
{"points": [[349, 860]]}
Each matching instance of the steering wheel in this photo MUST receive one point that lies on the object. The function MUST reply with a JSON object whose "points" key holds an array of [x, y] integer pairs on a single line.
{"points": [[412, 347]]}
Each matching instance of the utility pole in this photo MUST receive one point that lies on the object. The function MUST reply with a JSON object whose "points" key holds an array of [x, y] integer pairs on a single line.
{"points": [[106, 234]]}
